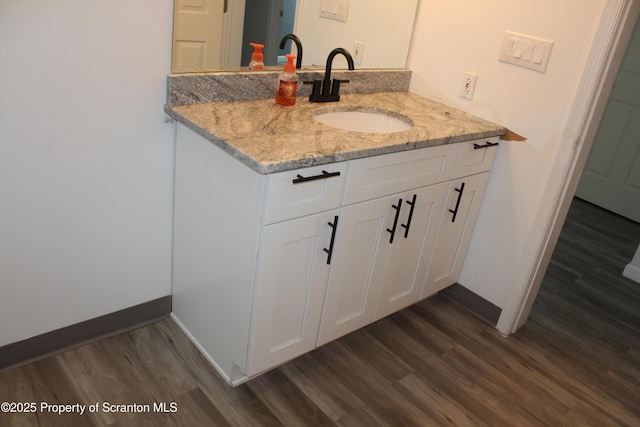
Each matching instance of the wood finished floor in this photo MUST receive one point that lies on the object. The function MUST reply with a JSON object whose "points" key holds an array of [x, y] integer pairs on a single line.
{"points": [[575, 363]]}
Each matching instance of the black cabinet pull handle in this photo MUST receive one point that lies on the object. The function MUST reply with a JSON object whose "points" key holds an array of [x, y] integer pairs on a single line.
{"points": [[486, 145], [395, 221], [334, 227], [408, 224], [324, 175], [455, 211]]}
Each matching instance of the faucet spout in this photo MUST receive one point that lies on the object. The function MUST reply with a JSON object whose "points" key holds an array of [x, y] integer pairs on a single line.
{"points": [[295, 39], [327, 74]]}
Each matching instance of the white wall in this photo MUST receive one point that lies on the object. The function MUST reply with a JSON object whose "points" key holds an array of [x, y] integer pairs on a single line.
{"points": [[453, 36], [86, 160]]}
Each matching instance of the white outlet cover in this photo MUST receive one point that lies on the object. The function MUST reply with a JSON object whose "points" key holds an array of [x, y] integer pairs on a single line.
{"points": [[468, 85], [358, 51]]}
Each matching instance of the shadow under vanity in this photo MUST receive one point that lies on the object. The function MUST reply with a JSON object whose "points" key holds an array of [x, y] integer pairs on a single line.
{"points": [[289, 233]]}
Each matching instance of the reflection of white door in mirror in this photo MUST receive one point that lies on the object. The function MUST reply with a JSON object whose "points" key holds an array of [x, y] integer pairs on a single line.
{"points": [[197, 35]]}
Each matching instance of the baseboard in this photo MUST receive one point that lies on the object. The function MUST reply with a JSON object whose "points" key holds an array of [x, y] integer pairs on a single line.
{"points": [[632, 272], [473, 303], [38, 347]]}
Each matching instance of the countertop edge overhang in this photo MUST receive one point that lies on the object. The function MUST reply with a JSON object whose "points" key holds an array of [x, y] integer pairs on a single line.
{"points": [[270, 138]]}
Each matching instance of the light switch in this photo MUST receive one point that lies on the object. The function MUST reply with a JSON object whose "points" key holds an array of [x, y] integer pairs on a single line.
{"points": [[334, 9], [526, 51], [538, 53], [518, 52]]}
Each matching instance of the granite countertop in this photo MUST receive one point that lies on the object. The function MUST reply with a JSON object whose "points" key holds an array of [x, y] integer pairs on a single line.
{"points": [[271, 138]]}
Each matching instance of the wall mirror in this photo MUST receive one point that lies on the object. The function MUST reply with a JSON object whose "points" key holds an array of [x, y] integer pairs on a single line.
{"points": [[214, 35]]}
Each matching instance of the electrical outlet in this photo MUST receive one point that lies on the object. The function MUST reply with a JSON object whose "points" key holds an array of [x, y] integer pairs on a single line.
{"points": [[468, 85], [358, 50]]}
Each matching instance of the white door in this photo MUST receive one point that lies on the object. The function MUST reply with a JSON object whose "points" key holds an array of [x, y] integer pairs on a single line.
{"points": [[611, 178], [291, 282], [197, 35]]}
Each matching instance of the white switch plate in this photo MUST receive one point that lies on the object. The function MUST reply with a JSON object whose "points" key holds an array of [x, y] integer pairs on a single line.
{"points": [[334, 9], [526, 51]]}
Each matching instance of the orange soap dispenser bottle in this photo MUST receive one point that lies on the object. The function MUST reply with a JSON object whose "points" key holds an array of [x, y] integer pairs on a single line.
{"points": [[257, 58], [287, 83]]}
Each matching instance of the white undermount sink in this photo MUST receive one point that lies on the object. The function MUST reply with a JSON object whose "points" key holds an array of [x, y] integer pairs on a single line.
{"points": [[363, 119]]}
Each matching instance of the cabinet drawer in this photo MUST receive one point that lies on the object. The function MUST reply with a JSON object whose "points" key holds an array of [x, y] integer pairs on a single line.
{"points": [[476, 156], [300, 192], [378, 176]]}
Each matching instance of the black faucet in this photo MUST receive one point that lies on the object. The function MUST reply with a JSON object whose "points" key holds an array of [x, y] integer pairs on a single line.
{"points": [[298, 43], [326, 90]]}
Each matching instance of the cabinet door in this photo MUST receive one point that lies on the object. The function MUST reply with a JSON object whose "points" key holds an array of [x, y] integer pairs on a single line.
{"points": [[292, 276], [460, 216], [353, 288], [375, 274], [403, 272]]}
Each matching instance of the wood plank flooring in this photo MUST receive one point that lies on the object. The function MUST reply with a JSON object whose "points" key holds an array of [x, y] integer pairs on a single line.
{"points": [[575, 363]]}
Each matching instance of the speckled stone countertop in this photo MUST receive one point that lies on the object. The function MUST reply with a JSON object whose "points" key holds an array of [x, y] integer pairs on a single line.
{"points": [[199, 88], [271, 138]]}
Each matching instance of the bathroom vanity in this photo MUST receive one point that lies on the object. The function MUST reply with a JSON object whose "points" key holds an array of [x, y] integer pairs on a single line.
{"points": [[290, 234]]}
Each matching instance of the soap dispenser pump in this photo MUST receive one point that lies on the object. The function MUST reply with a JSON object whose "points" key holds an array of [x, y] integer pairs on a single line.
{"points": [[287, 83], [257, 58]]}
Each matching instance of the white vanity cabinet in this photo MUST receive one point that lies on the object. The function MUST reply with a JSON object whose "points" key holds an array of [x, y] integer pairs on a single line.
{"points": [[268, 267], [250, 269]]}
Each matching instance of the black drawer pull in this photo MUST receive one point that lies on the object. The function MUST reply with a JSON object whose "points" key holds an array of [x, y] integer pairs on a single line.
{"points": [[324, 175], [395, 221], [408, 224], [455, 211], [334, 227], [486, 145]]}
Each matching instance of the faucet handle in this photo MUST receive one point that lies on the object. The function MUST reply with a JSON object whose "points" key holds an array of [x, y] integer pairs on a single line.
{"points": [[315, 90], [335, 87]]}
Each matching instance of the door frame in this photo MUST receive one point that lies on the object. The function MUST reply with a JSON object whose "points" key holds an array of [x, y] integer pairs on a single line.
{"points": [[616, 26]]}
